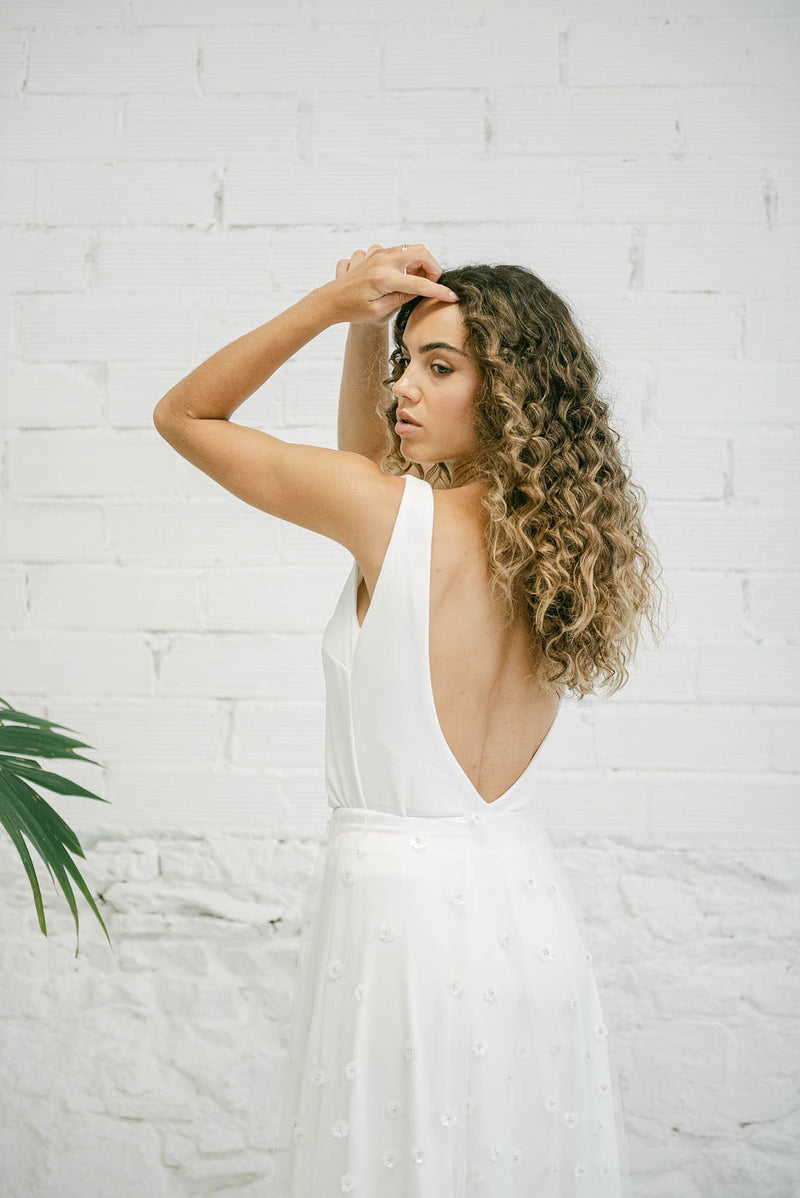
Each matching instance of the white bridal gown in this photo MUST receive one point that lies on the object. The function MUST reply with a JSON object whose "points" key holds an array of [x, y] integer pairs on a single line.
{"points": [[446, 1037]]}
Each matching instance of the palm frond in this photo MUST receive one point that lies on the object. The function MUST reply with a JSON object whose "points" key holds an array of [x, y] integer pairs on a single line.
{"points": [[24, 813]]}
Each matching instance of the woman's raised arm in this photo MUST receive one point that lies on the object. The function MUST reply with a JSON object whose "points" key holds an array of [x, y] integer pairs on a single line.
{"points": [[366, 361]]}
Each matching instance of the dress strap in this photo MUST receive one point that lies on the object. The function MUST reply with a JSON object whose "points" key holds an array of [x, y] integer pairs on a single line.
{"points": [[398, 599]]}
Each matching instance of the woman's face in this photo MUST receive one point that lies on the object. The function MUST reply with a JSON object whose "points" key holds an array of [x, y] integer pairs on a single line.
{"points": [[437, 387]]}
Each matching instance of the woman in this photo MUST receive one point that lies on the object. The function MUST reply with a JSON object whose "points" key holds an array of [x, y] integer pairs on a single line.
{"points": [[447, 1037]]}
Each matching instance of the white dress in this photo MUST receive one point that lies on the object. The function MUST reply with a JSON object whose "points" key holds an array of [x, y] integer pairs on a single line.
{"points": [[446, 1037]]}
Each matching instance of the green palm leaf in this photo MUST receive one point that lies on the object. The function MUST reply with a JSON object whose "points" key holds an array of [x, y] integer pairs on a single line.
{"points": [[24, 813]]}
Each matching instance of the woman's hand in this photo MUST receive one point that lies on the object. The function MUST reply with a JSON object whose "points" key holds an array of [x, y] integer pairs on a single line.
{"points": [[372, 284]]}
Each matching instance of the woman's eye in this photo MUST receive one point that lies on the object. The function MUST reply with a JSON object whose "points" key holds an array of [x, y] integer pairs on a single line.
{"points": [[437, 366]]}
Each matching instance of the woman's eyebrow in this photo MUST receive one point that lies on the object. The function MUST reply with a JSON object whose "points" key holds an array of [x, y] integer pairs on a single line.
{"points": [[423, 349]]}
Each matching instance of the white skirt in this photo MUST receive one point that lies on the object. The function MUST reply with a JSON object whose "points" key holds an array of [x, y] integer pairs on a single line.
{"points": [[446, 1038]]}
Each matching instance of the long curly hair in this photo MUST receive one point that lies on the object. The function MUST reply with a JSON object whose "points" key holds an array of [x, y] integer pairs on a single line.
{"points": [[564, 536]]}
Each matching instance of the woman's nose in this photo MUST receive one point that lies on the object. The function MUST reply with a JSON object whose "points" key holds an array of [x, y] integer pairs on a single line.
{"points": [[403, 387]]}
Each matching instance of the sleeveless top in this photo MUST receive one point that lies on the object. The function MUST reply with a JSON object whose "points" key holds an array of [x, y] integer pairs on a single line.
{"points": [[384, 746]]}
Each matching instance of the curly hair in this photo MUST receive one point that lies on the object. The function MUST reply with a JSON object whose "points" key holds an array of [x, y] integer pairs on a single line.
{"points": [[564, 537]]}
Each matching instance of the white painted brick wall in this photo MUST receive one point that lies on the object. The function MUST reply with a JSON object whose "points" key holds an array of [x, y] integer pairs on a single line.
{"points": [[172, 174]]}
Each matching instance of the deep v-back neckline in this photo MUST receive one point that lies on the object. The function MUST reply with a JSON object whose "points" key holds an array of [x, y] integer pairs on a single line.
{"points": [[425, 582]]}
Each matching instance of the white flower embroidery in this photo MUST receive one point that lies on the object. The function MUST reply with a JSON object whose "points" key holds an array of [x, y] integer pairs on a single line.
{"points": [[605, 1170], [351, 1070], [340, 1129], [602, 1088], [530, 882], [409, 1050], [599, 1125], [476, 1172], [347, 1184], [555, 1046], [360, 991], [394, 1108], [550, 1102], [387, 932], [573, 1004], [546, 952], [587, 957], [600, 1031], [492, 992], [448, 1118], [516, 1157], [509, 1078], [505, 938], [469, 1106], [522, 1049], [455, 987], [335, 969], [570, 1119], [389, 1159], [298, 1134], [348, 877], [458, 897], [317, 1077], [479, 1048], [580, 1170], [418, 1155], [495, 1152], [553, 887], [418, 842]]}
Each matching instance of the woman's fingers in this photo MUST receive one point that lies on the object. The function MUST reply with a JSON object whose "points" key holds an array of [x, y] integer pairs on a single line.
{"points": [[418, 258], [388, 282], [422, 271], [344, 264], [420, 285]]}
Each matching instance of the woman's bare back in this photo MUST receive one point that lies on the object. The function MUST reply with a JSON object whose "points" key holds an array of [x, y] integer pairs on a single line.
{"points": [[492, 710]]}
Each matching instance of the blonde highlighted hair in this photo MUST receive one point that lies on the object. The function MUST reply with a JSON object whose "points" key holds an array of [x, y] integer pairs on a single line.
{"points": [[565, 538]]}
